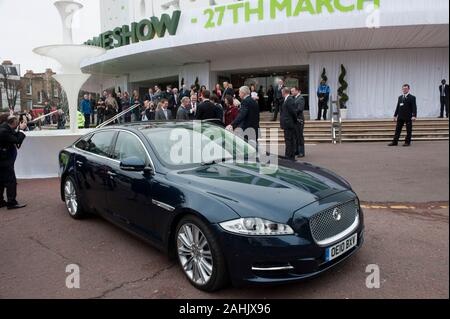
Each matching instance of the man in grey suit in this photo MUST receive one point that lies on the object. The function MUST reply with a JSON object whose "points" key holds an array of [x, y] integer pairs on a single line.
{"points": [[183, 113], [300, 107], [163, 114]]}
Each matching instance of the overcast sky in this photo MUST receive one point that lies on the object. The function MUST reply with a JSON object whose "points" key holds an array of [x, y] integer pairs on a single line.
{"points": [[26, 24]]}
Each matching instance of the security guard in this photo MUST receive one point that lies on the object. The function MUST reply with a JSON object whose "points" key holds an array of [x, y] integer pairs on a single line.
{"points": [[10, 140], [405, 113], [323, 93]]}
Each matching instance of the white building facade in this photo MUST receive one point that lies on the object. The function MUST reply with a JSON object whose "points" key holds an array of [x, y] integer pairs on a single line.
{"points": [[382, 44]]}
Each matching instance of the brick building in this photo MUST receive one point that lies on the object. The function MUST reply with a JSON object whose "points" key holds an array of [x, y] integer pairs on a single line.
{"points": [[12, 73], [38, 88]]}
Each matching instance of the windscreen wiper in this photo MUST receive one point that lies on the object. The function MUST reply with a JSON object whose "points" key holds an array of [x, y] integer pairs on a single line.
{"points": [[215, 162]]}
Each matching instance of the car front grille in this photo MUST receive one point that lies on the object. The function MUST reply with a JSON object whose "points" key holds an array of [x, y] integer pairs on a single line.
{"points": [[326, 225]]}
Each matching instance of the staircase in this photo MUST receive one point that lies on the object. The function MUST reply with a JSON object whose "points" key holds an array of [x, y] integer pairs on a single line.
{"points": [[355, 131]]}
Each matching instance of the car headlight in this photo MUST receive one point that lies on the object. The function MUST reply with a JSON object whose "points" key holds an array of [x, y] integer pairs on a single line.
{"points": [[256, 227]]}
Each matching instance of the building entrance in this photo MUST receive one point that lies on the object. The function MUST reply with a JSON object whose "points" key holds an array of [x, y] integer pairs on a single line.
{"points": [[265, 80]]}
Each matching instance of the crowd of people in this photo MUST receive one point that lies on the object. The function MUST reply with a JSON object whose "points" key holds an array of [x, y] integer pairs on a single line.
{"points": [[196, 103], [234, 108]]}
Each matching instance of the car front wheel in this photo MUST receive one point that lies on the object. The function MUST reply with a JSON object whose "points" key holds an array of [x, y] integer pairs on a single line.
{"points": [[200, 255]]}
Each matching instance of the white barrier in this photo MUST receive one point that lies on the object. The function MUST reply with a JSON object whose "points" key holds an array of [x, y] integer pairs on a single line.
{"points": [[38, 156]]}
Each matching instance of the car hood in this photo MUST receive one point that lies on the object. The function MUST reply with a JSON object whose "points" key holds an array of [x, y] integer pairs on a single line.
{"points": [[274, 196]]}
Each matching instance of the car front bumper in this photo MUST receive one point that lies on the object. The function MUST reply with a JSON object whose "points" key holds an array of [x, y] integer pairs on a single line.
{"points": [[278, 259]]}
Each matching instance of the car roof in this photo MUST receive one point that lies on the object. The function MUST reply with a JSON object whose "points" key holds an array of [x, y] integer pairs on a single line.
{"points": [[140, 126]]}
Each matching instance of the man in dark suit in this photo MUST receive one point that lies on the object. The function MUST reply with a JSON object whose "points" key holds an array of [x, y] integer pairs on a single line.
{"points": [[206, 110], [183, 110], [288, 120], [444, 93], [300, 107], [10, 140], [248, 116], [278, 99], [405, 113]]}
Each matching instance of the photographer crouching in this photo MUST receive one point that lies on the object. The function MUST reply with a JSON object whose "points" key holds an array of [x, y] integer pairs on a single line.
{"points": [[10, 140]]}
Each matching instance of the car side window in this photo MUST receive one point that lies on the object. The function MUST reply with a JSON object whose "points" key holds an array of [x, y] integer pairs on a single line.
{"points": [[100, 143], [127, 146], [82, 144]]}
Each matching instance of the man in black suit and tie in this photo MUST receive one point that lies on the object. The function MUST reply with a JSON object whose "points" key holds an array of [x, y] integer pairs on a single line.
{"points": [[444, 93], [207, 110], [248, 116], [300, 127], [405, 113], [278, 99], [289, 123]]}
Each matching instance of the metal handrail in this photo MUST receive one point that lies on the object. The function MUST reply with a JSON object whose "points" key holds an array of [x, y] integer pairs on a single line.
{"points": [[336, 122], [113, 119], [43, 117]]}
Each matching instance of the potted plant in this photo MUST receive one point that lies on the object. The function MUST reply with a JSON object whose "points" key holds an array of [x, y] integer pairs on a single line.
{"points": [[324, 75], [342, 92], [197, 84]]}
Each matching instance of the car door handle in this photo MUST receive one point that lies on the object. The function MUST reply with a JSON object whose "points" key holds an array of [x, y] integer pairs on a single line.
{"points": [[79, 163], [112, 175]]}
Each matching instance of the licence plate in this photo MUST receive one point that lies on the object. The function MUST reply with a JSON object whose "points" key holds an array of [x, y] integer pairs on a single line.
{"points": [[341, 248]]}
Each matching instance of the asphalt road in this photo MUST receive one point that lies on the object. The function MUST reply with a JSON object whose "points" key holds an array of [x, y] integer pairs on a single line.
{"points": [[405, 192]]}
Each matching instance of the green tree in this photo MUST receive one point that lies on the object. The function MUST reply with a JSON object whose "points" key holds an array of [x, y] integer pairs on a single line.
{"points": [[324, 75], [197, 84], [342, 91]]}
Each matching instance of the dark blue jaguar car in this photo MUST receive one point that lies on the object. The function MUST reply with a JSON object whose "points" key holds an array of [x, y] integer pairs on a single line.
{"points": [[224, 220]]}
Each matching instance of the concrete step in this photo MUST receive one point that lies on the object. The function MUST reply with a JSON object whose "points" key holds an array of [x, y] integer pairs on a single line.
{"points": [[377, 130], [362, 124], [374, 140]]}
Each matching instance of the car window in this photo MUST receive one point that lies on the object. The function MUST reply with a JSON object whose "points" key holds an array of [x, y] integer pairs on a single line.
{"points": [[185, 146], [127, 146], [100, 143], [83, 143]]}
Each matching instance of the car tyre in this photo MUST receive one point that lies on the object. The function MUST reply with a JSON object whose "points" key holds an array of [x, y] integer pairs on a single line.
{"points": [[200, 255], [72, 199]]}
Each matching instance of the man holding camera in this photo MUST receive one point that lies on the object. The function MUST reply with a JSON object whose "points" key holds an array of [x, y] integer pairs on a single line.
{"points": [[10, 140]]}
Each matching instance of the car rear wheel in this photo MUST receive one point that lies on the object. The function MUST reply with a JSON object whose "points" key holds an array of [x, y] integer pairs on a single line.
{"points": [[71, 199], [199, 255]]}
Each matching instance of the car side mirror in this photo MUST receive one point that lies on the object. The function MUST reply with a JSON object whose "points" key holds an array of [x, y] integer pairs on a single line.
{"points": [[133, 164]]}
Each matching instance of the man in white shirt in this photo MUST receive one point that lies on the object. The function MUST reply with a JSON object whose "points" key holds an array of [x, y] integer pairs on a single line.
{"points": [[193, 106]]}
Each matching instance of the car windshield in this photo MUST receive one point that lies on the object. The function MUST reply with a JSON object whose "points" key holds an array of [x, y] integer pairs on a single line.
{"points": [[187, 145]]}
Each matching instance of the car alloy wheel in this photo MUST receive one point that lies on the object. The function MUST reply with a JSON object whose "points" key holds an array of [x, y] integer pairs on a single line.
{"points": [[72, 199], [70, 195], [195, 254]]}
